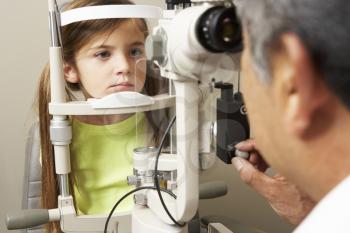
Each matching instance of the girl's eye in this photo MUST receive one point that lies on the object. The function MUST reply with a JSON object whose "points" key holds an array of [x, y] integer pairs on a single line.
{"points": [[104, 55], [136, 52]]}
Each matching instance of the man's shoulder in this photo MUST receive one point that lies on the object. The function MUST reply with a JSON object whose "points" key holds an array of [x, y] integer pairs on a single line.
{"points": [[332, 213]]}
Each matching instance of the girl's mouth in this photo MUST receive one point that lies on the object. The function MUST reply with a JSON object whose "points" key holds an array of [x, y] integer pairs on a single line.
{"points": [[122, 87]]}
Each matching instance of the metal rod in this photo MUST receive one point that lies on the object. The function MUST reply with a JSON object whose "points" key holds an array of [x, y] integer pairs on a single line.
{"points": [[64, 185], [55, 41]]}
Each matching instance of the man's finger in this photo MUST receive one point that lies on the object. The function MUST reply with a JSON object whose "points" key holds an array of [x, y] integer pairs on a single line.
{"points": [[257, 161], [254, 178], [254, 158], [246, 146]]}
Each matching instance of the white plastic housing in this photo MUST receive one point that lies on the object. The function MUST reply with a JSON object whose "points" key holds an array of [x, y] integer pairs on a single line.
{"points": [[187, 149], [71, 223], [62, 159], [145, 221]]}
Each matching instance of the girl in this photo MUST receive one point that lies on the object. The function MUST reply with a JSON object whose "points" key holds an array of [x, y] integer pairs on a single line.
{"points": [[100, 58]]}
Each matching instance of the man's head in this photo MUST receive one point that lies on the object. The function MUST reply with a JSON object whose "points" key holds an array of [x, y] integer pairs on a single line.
{"points": [[296, 67]]}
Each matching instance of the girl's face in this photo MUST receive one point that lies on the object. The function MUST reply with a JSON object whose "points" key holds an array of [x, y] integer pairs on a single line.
{"points": [[112, 63]]}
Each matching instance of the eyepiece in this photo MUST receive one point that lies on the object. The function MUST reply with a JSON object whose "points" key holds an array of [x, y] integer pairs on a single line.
{"points": [[219, 30]]}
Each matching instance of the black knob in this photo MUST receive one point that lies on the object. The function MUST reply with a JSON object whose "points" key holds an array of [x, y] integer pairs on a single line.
{"points": [[226, 90]]}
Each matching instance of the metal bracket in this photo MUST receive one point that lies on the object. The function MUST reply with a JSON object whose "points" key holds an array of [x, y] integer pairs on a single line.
{"points": [[218, 228]]}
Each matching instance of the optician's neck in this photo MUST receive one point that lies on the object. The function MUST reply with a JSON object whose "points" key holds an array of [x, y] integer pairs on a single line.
{"points": [[330, 157]]}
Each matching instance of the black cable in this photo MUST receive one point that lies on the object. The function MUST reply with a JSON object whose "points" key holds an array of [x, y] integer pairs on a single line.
{"points": [[156, 182], [125, 196], [239, 80]]}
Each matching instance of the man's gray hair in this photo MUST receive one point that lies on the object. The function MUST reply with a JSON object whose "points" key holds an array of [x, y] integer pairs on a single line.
{"points": [[323, 26]]}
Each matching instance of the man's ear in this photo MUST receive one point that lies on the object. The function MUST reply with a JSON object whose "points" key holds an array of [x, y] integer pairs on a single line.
{"points": [[71, 74], [300, 86]]}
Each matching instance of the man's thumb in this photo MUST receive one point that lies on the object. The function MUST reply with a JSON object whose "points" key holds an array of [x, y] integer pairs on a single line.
{"points": [[251, 176], [245, 169]]}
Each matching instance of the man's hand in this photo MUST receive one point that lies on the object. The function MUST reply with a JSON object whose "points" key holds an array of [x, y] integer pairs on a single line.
{"points": [[285, 198]]}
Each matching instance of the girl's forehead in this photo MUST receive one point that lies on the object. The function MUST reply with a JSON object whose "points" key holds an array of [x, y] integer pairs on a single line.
{"points": [[127, 32]]}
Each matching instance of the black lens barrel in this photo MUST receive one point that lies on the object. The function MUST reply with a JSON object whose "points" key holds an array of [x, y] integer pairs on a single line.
{"points": [[219, 30]]}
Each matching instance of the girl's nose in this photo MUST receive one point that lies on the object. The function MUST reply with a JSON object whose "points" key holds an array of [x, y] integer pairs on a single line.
{"points": [[122, 65]]}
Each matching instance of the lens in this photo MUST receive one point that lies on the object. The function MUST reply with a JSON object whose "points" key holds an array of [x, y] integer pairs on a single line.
{"points": [[219, 30], [227, 31]]}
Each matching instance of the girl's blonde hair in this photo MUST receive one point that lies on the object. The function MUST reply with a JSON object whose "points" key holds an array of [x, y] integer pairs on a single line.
{"points": [[74, 37]]}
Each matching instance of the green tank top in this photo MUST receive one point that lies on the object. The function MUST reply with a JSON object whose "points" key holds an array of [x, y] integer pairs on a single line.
{"points": [[101, 157]]}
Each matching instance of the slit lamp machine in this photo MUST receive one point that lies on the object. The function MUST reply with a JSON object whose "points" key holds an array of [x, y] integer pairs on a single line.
{"points": [[194, 46]]}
